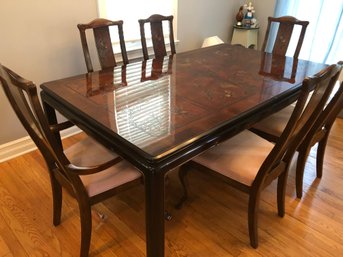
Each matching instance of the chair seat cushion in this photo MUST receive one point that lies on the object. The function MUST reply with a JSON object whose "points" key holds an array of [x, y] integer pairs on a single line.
{"points": [[88, 152], [238, 158], [115, 176], [276, 123]]}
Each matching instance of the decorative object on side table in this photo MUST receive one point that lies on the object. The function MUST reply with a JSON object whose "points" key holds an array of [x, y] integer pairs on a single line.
{"points": [[249, 15], [240, 16]]}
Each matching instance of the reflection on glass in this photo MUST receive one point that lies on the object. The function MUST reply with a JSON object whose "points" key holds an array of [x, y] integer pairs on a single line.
{"points": [[281, 68], [153, 69], [97, 87], [143, 106]]}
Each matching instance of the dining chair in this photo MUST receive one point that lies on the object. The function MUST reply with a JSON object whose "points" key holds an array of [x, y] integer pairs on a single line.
{"points": [[103, 43], [157, 36], [87, 170], [283, 37], [271, 128], [250, 163]]}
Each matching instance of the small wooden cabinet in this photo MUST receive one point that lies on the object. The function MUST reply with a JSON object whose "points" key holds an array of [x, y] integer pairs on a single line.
{"points": [[244, 36]]}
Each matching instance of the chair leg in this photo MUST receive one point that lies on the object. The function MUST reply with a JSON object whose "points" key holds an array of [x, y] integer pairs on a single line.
{"points": [[253, 218], [56, 200], [182, 176], [86, 227], [320, 155], [301, 162], [281, 193]]}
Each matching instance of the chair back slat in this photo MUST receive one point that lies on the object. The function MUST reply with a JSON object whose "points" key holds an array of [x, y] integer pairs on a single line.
{"points": [[104, 45], [158, 39]]}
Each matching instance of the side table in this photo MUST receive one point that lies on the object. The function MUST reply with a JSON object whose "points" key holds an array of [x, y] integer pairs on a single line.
{"points": [[246, 36]]}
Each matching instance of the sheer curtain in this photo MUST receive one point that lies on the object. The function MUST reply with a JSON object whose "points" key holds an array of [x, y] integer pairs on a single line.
{"points": [[324, 35]]}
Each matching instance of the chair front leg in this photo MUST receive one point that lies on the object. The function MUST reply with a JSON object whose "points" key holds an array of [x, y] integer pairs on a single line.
{"points": [[301, 162], [281, 192], [86, 227], [56, 189], [254, 201], [320, 154]]}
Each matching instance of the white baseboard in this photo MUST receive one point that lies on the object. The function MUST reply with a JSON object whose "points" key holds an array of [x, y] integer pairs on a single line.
{"points": [[24, 145]]}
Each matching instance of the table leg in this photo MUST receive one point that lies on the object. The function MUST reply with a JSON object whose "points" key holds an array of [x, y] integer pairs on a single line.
{"points": [[154, 213]]}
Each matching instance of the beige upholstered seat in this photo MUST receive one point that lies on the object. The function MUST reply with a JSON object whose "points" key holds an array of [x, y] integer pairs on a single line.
{"points": [[250, 163], [90, 172], [276, 123], [247, 148]]}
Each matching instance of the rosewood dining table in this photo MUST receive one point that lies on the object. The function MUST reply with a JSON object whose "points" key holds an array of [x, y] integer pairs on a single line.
{"points": [[158, 114]]}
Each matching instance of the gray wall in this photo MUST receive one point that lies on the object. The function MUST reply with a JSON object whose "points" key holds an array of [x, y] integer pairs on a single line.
{"points": [[40, 41], [198, 19]]}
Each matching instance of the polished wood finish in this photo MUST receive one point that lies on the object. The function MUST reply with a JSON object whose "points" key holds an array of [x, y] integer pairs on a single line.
{"points": [[73, 176], [211, 95], [277, 162], [284, 33], [206, 226], [281, 68], [157, 35], [103, 42]]}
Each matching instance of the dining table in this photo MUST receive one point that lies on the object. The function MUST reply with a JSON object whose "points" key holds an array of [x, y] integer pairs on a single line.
{"points": [[160, 113]]}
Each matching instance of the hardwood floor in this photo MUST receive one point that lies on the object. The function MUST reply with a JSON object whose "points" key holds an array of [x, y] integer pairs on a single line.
{"points": [[212, 223]]}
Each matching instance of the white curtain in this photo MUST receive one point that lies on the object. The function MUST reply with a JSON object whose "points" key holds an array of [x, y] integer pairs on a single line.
{"points": [[324, 36]]}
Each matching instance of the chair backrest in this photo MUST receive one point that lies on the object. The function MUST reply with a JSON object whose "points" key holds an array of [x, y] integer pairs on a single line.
{"points": [[327, 117], [157, 36], [103, 42], [22, 95], [284, 34], [305, 114]]}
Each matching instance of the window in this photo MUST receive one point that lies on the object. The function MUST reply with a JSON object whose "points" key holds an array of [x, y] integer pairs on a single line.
{"points": [[130, 11]]}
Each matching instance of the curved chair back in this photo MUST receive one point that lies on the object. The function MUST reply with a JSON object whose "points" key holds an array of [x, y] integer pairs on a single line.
{"points": [[103, 42], [23, 98], [157, 35]]}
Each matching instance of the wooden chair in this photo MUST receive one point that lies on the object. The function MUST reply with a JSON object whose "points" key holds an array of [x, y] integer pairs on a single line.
{"points": [[90, 172], [250, 163], [284, 34], [157, 35], [272, 127], [103, 42]]}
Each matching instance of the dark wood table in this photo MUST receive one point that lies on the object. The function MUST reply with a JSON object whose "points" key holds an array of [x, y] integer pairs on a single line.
{"points": [[160, 113]]}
